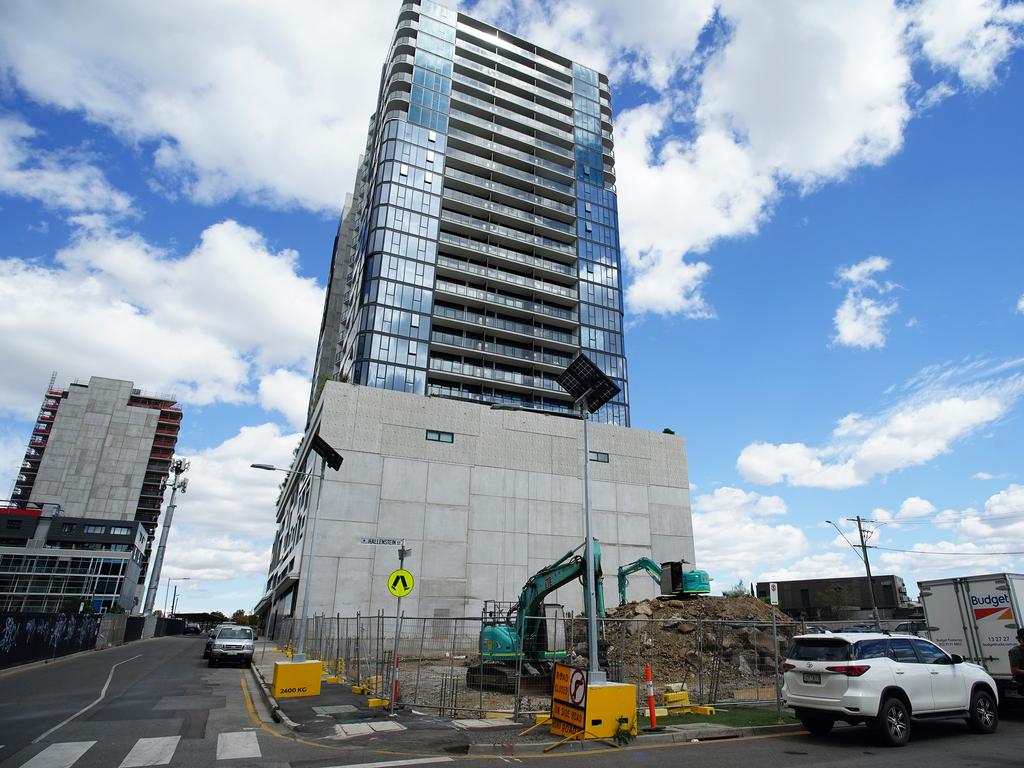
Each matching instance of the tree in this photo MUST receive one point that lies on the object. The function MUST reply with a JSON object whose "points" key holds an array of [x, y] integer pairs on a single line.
{"points": [[218, 617], [240, 616], [667, 431], [739, 589]]}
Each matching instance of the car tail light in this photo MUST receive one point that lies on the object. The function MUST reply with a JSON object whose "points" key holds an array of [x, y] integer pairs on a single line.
{"points": [[850, 670], [786, 666]]}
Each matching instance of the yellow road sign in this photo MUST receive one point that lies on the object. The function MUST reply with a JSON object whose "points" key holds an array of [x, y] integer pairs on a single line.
{"points": [[400, 582]]}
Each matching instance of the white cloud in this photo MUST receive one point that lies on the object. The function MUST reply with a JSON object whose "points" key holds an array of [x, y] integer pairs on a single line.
{"points": [[924, 425], [982, 476], [913, 507], [224, 523], [287, 392], [1020, 304], [198, 325], [970, 37], [860, 319], [831, 564], [228, 98], [56, 179], [1006, 502], [734, 535]]}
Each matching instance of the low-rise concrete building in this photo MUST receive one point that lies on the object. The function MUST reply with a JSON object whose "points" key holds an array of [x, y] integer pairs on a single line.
{"points": [[483, 497]]}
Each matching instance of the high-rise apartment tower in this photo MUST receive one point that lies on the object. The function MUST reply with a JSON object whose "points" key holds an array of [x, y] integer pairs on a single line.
{"points": [[479, 250]]}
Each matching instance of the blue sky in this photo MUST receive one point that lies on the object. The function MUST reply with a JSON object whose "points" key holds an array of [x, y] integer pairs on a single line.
{"points": [[820, 214]]}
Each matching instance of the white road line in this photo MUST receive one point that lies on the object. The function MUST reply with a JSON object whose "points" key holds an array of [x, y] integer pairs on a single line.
{"points": [[153, 751], [103, 693], [390, 763], [232, 746], [62, 755]]}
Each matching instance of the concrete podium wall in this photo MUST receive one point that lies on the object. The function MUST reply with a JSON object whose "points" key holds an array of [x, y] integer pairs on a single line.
{"points": [[481, 513]]}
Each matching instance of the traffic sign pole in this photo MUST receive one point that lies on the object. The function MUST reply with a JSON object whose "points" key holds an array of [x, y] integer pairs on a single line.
{"points": [[402, 552], [773, 595]]}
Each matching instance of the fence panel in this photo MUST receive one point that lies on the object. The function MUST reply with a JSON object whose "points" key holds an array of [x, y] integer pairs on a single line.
{"points": [[26, 637]]}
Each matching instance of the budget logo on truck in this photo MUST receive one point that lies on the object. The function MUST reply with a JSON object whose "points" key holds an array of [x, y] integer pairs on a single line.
{"points": [[991, 605]]}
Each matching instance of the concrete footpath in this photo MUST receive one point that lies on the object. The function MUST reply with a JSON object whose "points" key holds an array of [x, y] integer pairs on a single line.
{"points": [[339, 716]]}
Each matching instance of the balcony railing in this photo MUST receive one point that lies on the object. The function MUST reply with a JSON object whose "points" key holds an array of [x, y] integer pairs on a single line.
{"points": [[508, 170], [501, 324], [506, 151], [480, 225], [506, 253], [493, 374], [522, 136], [491, 108], [501, 93], [506, 189], [495, 348], [492, 273], [493, 297], [510, 211]]}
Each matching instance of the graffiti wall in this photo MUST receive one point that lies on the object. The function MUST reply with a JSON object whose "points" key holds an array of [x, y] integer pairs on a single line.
{"points": [[26, 637]]}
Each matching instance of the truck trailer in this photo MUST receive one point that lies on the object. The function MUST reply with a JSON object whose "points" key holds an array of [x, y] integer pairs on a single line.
{"points": [[977, 617]]}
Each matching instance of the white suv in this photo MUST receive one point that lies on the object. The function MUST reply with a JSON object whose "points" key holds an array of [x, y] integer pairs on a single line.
{"points": [[884, 680]]}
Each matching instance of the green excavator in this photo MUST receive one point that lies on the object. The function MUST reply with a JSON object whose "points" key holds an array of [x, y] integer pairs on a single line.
{"points": [[677, 582], [500, 653]]}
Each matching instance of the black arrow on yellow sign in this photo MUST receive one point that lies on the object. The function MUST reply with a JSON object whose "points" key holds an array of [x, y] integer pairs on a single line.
{"points": [[400, 579], [400, 582]]}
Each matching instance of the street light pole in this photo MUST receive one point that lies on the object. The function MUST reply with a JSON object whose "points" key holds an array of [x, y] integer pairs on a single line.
{"points": [[167, 590], [328, 456], [595, 673], [178, 468]]}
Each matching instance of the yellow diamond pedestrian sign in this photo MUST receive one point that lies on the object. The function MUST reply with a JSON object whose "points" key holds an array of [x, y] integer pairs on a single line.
{"points": [[400, 582]]}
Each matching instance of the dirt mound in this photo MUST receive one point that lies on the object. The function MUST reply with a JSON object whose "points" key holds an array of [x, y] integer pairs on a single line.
{"points": [[721, 647]]}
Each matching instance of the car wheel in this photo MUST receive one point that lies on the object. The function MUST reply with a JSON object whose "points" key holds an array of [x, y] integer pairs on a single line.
{"points": [[984, 714], [819, 726], [893, 723]]}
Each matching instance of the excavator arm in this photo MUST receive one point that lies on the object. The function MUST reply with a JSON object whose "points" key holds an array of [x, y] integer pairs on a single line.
{"points": [[530, 608], [642, 564]]}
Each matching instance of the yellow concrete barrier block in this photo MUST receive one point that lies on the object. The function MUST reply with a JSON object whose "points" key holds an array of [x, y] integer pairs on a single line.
{"points": [[293, 679], [332, 679], [541, 717], [703, 710], [680, 698], [359, 689], [377, 702], [607, 703], [496, 715]]}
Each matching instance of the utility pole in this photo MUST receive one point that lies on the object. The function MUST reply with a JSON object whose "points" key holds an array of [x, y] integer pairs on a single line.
{"points": [[867, 569], [178, 468]]}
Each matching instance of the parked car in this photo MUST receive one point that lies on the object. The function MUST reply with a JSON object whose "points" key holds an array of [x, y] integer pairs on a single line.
{"points": [[191, 629], [234, 643], [884, 682], [213, 633]]}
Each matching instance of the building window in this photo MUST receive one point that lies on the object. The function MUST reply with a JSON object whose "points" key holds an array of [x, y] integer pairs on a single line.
{"points": [[599, 456], [67, 528], [15, 524], [94, 529], [440, 437], [120, 530]]}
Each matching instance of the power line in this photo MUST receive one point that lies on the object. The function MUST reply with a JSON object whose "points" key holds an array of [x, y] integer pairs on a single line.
{"points": [[939, 552]]}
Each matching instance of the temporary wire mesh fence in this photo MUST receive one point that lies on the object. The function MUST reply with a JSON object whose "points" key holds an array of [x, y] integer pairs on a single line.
{"points": [[440, 669]]}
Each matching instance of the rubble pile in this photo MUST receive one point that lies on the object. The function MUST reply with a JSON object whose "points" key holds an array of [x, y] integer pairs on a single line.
{"points": [[686, 640]]}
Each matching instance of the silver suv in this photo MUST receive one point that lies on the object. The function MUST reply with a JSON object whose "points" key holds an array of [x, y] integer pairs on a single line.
{"points": [[884, 681], [232, 644]]}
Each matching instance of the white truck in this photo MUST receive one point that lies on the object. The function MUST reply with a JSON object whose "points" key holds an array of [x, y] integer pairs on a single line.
{"points": [[977, 617]]}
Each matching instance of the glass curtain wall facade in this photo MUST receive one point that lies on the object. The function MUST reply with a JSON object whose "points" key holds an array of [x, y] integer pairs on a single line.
{"points": [[479, 250]]}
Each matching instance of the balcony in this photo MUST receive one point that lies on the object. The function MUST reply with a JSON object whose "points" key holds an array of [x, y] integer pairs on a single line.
{"points": [[510, 191], [507, 152], [499, 299], [562, 118], [511, 47], [494, 166], [460, 267], [492, 374], [490, 108], [471, 318], [497, 59], [510, 133], [483, 204], [504, 350], [507, 254], [476, 226]]}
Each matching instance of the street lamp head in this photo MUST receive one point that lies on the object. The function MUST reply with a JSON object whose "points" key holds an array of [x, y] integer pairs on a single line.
{"points": [[270, 467]]}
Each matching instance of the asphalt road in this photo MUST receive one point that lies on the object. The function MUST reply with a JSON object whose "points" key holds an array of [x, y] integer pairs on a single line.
{"points": [[156, 702]]}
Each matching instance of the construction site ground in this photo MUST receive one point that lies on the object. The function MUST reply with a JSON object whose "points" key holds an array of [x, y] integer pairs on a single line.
{"points": [[344, 720]]}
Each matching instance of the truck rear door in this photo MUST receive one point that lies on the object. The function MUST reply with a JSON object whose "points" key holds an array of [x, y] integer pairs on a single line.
{"points": [[995, 619], [945, 611]]}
